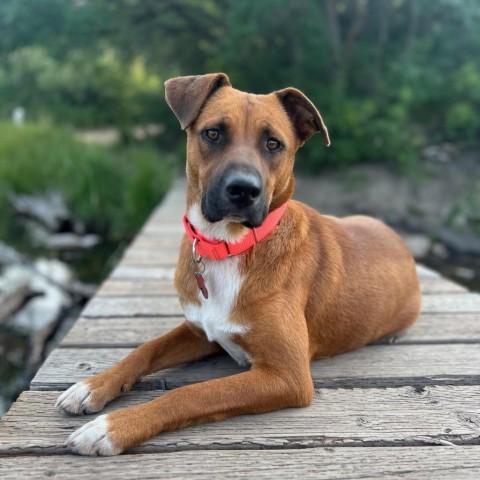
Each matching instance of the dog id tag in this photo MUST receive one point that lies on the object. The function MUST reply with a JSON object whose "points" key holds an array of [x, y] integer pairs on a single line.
{"points": [[201, 284], [198, 267]]}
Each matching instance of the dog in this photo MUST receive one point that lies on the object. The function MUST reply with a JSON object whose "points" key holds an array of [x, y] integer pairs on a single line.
{"points": [[263, 277]]}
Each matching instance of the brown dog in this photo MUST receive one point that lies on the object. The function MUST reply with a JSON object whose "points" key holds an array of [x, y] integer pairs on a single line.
{"points": [[312, 286]]}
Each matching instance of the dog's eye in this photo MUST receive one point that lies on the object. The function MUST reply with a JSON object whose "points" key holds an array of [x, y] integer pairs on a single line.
{"points": [[273, 144], [212, 134]]}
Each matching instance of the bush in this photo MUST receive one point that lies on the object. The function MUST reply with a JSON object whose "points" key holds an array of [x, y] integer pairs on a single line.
{"points": [[112, 191], [84, 90]]}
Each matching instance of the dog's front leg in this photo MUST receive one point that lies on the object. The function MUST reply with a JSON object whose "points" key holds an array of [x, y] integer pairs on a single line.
{"points": [[261, 389], [179, 346]]}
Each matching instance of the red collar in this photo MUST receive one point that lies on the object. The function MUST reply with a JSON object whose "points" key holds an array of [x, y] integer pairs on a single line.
{"points": [[218, 250]]}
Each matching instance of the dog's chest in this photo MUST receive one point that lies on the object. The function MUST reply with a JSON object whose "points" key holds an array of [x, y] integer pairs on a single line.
{"points": [[213, 316]]}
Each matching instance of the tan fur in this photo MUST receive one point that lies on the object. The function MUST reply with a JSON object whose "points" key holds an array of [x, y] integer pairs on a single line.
{"points": [[317, 286]]}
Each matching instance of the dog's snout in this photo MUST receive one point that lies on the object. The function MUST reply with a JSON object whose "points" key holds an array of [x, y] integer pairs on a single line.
{"points": [[237, 193], [242, 188]]}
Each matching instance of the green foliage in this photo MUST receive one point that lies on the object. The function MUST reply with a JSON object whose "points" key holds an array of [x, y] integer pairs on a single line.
{"points": [[82, 91], [387, 75], [112, 192]]}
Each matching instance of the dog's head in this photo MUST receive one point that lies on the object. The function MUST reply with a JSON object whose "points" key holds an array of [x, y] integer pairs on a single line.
{"points": [[241, 147]]}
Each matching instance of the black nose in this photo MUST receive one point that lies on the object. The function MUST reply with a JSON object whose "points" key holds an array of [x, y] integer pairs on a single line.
{"points": [[242, 188]]}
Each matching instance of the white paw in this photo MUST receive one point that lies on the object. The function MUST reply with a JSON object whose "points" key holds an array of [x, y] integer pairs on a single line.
{"points": [[92, 439], [76, 400]]}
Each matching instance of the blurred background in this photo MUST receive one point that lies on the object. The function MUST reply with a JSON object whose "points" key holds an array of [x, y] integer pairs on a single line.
{"points": [[88, 146]]}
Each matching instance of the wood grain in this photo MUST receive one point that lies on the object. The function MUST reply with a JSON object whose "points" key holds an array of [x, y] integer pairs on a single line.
{"points": [[406, 416], [132, 331], [341, 463], [160, 306], [128, 272], [167, 256], [160, 257], [117, 332], [150, 242], [373, 366], [138, 306], [132, 288], [451, 303], [136, 287], [430, 285]]}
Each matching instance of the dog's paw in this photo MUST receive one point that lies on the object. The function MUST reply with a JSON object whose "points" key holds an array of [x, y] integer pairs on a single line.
{"points": [[93, 439], [78, 399]]}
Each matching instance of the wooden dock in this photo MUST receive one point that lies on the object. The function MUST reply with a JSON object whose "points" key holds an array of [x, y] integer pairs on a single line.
{"points": [[407, 408]]}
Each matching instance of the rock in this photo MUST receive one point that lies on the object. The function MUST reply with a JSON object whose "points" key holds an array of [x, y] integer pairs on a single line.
{"points": [[70, 241], [465, 273], [418, 244], [13, 300], [40, 316], [49, 210], [439, 153], [440, 250], [41, 237], [47, 278], [8, 255], [30, 321], [465, 243]]}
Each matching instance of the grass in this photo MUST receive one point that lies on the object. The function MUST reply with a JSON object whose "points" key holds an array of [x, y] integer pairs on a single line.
{"points": [[111, 190]]}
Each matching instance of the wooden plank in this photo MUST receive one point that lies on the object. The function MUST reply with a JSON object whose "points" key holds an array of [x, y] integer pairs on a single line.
{"points": [[341, 463], [139, 286], [133, 307], [131, 288], [149, 242], [155, 253], [142, 273], [117, 332], [168, 239], [154, 306], [173, 204], [423, 271], [441, 328], [430, 285], [161, 257], [373, 366], [451, 303], [160, 229], [339, 417], [130, 332], [167, 256]]}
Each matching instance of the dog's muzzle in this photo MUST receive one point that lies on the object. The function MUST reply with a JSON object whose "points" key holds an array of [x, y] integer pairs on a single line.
{"points": [[238, 194]]}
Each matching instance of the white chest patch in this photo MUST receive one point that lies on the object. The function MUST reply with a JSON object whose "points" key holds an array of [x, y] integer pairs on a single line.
{"points": [[223, 281]]}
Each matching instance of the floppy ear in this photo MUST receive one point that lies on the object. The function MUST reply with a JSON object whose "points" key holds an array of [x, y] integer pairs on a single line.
{"points": [[186, 95], [304, 116]]}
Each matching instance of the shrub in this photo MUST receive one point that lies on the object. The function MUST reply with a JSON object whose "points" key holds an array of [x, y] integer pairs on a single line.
{"points": [[84, 90], [112, 191]]}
